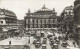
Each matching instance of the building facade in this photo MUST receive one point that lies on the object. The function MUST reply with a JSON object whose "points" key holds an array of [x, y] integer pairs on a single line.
{"points": [[77, 20], [8, 19], [67, 17], [77, 12], [41, 19], [20, 23]]}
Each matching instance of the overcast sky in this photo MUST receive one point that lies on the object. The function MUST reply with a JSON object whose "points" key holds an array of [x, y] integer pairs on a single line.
{"points": [[20, 7]]}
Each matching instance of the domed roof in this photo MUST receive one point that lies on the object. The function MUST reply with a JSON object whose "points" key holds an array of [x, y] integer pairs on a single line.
{"points": [[44, 9]]}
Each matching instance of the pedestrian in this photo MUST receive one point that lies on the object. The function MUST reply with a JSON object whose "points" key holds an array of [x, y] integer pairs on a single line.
{"points": [[74, 44], [29, 41]]}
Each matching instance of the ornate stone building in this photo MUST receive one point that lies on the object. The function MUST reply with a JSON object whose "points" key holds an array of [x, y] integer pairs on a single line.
{"points": [[8, 19], [77, 12], [41, 19], [67, 17]]}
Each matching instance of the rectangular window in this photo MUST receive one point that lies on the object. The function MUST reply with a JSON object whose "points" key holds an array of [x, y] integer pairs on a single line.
{"points": [[53, 21], [28, 25], [41, 26], [72, 11], [49, 21], [72, 14], [41, 21], [45, 21], [67, 13], [33, 21], [28, 21], [38, 26], [33, 26], [37, 21]]}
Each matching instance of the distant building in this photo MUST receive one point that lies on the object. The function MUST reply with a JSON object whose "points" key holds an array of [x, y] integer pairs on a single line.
{"points": [[67, 17], [20, 23], [8, 19], [41, 19]]}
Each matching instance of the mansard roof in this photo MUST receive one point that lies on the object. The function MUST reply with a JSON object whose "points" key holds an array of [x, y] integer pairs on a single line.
{"points": [[69, 7], [77, 7], [7, 12], [42, 16]]}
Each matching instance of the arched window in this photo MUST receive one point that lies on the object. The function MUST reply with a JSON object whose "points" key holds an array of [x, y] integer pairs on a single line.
{"points": [[28, 21], [49, 21], [45, 21], [33, 21], [37, 21], [41, 21], [53, 21]]}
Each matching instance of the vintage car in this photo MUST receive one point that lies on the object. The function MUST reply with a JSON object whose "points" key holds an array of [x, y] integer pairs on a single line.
{"points": [[57, 41], [51, 42], [49, 34], [44, 40], [34, 41], [26, 47], [55, 46], [38, 34], [64, 44], [43, 46], [32, 33], [37, 44]]}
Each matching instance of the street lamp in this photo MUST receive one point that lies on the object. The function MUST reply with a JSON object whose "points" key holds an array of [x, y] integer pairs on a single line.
{"points": [[9, 44], [29, 39]]}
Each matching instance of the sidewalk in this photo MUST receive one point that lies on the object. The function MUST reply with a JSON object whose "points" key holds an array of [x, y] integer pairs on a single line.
{"points": [[14, 41]]}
